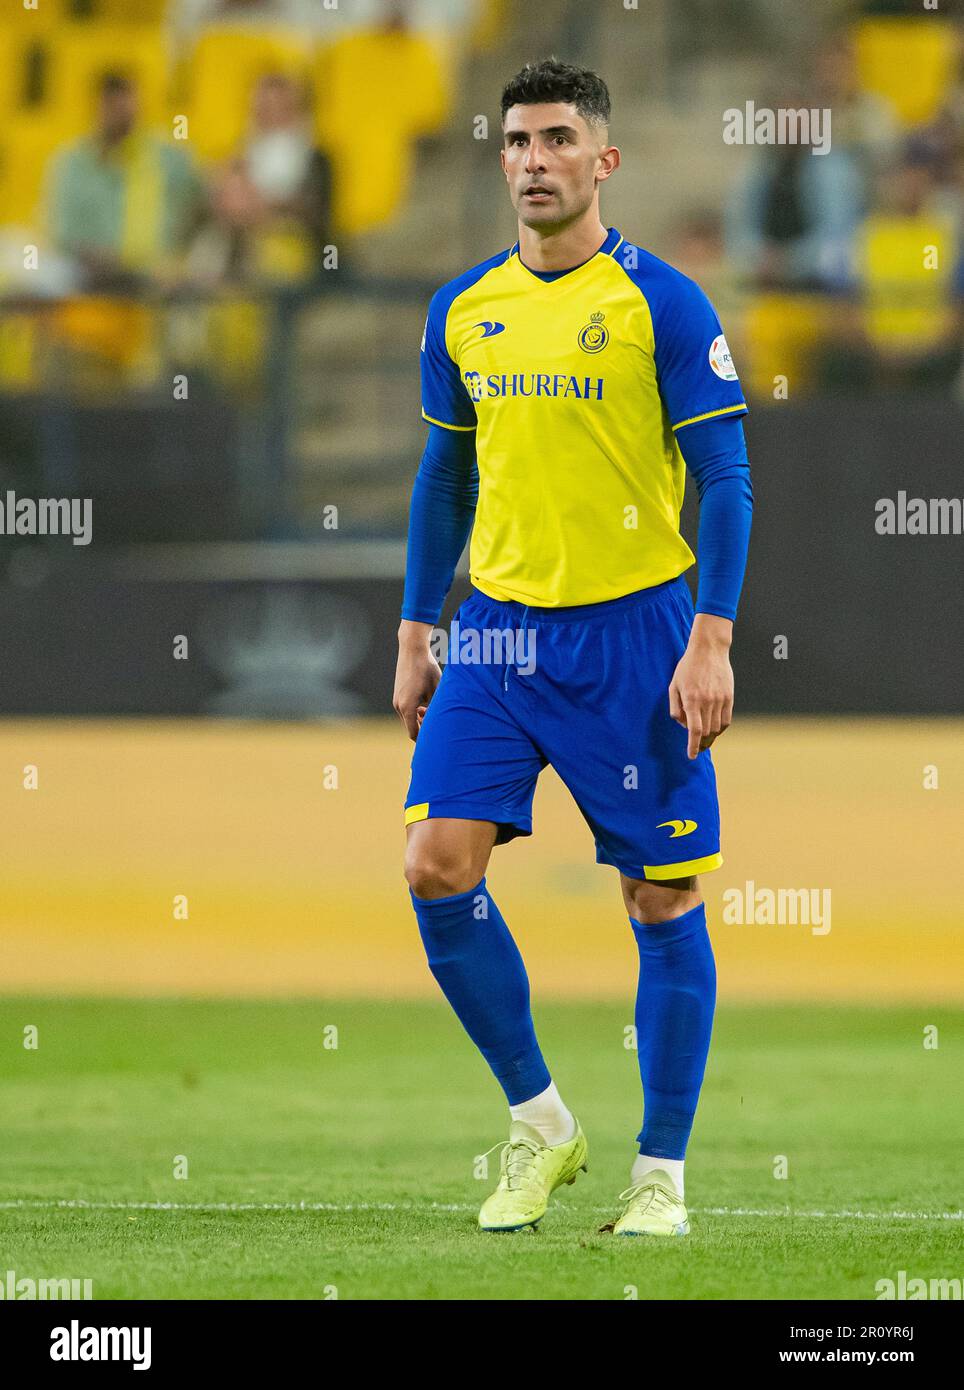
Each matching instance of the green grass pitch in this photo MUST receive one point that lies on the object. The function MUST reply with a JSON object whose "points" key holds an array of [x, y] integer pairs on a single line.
{"points": [[378, 1137]]}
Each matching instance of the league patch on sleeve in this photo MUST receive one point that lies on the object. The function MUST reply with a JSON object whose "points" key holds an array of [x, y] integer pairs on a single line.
{"points": [[720, 359]]}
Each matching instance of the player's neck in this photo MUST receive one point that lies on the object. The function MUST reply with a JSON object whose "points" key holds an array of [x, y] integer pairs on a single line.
{"points": [[563, 249]]}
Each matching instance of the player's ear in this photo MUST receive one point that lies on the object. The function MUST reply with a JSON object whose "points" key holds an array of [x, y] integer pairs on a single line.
{"points": [[610, 161]]}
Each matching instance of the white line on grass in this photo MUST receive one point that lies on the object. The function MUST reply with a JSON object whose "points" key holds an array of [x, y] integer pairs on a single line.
{"points": [[80, 1204]]}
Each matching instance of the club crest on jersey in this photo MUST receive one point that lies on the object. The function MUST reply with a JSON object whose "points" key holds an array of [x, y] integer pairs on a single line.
{"points": [[720, 359], [594, 337]]}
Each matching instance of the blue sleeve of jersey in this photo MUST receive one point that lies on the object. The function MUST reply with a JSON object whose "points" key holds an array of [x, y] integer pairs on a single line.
{"points": [[715, 454], [445, 400], [440, 518], [694, 368]]}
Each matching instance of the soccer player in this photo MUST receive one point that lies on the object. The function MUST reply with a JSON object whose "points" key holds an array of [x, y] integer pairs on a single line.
{"points": [[565, 382]]}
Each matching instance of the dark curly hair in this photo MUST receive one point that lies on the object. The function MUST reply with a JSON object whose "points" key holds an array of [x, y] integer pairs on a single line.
{"points": [[551, 80]]}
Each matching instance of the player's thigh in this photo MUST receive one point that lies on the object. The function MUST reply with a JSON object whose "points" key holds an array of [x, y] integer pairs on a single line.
{"points": [[447, 855]]}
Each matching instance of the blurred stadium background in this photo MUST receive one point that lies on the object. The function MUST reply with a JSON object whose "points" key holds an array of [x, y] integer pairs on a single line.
{"points": [[222, 221]]}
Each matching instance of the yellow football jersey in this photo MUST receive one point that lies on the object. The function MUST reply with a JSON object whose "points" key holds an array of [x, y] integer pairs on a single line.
{"points": [[576, 383]]}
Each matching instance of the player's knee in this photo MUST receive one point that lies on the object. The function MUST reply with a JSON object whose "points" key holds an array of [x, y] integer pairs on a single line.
{"points": [[432, 873], [660, 902]]}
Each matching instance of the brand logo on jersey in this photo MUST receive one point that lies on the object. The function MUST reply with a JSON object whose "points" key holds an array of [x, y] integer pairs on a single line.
{"points": [[678, 827], [491, 328], [594, 337], [720, 359], [502, 384]]}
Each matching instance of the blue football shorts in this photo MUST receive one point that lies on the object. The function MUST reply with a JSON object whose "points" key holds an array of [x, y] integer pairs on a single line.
{"points": [[585, 689]]}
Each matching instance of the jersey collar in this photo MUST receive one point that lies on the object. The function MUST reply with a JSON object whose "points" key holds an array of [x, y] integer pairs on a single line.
{"points": [[613, 240]]}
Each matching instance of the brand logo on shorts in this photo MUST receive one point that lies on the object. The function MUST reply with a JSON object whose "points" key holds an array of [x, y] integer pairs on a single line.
{"points": [[678, 827], [721, 360]]}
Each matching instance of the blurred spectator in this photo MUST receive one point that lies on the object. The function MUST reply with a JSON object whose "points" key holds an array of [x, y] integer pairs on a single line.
{"points": [[905, 324], [271, 204], [791, 219], [122, 202], [697, 249], [942, 142], [863, 123]]}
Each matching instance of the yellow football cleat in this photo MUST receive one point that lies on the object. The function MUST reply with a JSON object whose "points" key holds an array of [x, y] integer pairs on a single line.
{"points": [[530, 1171], [653, 1208]]}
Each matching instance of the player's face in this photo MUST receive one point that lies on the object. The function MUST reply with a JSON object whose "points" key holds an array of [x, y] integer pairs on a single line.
{"points": [[551, 158]]}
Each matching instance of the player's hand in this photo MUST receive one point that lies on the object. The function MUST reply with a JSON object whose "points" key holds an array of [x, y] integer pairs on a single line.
{"points": [[701, 691], [417, 675]]}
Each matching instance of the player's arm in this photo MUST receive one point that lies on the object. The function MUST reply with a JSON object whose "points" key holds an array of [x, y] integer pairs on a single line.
{"points": [[704, 400], [701, 691], [440, 518], [442, 510]]}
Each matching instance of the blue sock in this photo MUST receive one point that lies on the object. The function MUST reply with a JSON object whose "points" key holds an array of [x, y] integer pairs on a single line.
{"points": [[674, 1019], [478, 966]]}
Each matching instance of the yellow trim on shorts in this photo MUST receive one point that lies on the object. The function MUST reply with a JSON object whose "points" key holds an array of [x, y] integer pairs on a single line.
{"points": [[414, 813], [685, 869]]}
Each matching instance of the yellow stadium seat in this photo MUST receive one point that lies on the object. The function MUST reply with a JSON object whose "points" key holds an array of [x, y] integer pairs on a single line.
{"points": [[398, 75], [911, 62], [18, 352], [782, 333], [28, 144], [368, 193], [130, 11], [48, 16], [906, 298], [489, 26], [221, 75], [376, 93], [71, 57], [60, 14], [236, 340], [77, 56], [81, 54], [118, 332], [18, 40]]}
